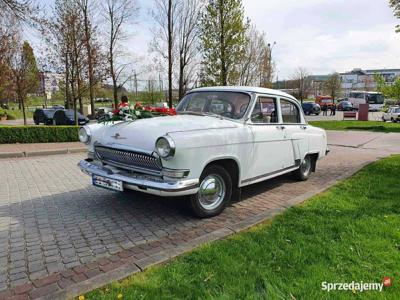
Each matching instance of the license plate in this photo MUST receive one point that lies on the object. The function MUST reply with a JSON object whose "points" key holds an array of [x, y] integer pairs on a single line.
{"points": [[111, 184]]}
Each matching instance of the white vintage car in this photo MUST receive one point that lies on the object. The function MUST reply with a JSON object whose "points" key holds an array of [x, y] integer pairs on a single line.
{"points": [[222, 139]]}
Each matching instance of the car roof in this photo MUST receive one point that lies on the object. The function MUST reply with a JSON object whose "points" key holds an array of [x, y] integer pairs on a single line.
{"points": [[247, 89]]}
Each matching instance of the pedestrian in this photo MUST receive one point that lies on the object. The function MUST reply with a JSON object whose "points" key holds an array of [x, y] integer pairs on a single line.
{"points": [[324, 110], [333, 109], [124, 102]]}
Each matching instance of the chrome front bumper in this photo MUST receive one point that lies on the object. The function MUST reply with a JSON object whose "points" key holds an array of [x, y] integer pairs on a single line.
{"points": [[141, 182]]}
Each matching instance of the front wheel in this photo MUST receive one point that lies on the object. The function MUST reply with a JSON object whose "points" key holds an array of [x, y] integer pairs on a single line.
{"points": [[304, 172], [214, 193]]}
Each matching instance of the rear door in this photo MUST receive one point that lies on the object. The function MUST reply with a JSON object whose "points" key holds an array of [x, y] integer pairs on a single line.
{"points": [[295, 130]]}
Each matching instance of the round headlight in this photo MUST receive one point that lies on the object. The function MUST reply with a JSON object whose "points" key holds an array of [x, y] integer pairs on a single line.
{"points": [[84, 135], [165, 147]]}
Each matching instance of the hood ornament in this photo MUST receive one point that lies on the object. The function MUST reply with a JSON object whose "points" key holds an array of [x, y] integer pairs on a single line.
{"points": [[117, 136]]}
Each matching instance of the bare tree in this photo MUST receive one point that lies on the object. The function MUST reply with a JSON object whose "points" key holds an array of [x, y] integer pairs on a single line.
{"points": [[21, 9], [164, 35], [87, 11], [251, 68], [302, 83], [333, 85], [118, 13], [188, 18]]}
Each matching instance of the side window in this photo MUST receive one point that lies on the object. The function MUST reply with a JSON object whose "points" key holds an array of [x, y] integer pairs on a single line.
{"points": [[264, 111], [290, 112]]}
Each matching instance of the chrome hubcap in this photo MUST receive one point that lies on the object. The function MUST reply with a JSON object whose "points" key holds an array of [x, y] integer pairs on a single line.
{"points": [[306, 166], [212, 192]]}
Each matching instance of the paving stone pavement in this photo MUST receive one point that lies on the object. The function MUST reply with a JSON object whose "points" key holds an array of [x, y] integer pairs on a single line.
{"points": [[59, 236]]}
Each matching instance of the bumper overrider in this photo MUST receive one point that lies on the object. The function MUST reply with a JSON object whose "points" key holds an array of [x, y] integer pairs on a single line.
{"points": [[141, 182]]}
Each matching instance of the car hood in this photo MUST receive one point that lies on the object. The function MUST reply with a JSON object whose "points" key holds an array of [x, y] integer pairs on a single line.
{"points": [[141, 135]]}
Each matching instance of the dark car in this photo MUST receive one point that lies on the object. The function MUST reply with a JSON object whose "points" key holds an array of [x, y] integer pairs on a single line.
{"points": [[44, 116], [67, 117], [311, 108], [345, 106]]}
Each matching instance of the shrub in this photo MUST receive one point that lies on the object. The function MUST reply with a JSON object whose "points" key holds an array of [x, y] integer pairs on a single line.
{"points": [[2, 112], [10, 115], [38, 134]]}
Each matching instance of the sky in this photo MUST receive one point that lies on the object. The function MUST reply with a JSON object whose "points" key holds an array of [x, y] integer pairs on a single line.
{"points": [[323, 36]]}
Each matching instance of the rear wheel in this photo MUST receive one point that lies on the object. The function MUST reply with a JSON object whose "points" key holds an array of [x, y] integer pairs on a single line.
{"points": [[304, 172], [214, 193]]}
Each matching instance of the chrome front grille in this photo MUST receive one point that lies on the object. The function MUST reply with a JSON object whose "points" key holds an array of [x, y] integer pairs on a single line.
{"points": [[128, 159]]}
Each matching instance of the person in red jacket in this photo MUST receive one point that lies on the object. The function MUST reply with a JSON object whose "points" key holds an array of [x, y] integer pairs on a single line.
{"points": [[124, 102]]}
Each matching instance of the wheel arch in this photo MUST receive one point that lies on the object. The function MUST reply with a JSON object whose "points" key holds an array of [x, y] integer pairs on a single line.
{"points": [[231, 164]]}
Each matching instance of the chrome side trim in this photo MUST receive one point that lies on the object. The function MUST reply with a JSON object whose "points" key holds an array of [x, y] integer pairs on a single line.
{"points": [[268, 175]]}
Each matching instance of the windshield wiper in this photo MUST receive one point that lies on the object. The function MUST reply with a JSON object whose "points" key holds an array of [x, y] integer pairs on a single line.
{"points": [[203, 114], [194, 113]]}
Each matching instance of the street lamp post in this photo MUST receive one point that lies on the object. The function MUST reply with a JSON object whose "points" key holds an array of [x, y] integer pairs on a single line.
{"points": [[270, 47]]}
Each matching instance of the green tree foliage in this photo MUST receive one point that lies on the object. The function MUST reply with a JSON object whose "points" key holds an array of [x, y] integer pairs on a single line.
{"points": [[391, 91], [395, 5], [333, 85], [223, 36], [25, 73], [32, 71]]}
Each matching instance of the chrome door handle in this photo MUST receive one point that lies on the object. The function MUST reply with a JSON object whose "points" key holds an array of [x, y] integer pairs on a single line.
{"points": [[280, 127], [303, 127]]}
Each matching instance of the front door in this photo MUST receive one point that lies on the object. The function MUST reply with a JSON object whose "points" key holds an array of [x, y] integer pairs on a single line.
{"points": [[271, 148]]}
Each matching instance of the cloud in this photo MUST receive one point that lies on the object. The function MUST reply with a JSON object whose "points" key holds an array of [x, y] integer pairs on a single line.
{"points": [[328, 35]]}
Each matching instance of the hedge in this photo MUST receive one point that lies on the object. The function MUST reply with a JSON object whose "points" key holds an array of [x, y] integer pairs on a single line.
{"points": [[38, 134]]}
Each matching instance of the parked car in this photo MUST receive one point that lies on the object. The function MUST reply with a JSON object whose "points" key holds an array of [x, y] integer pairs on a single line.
{"points": [[102, 113], [222, 139], [67, 117], [393, 114], [58, 107], [345, 106], [42, 115], [311, 108]]}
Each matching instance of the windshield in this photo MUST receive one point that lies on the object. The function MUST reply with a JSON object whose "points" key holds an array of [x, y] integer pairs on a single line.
{"points": [[70, 114], [231, 105], [375, 98], [49, 113]]}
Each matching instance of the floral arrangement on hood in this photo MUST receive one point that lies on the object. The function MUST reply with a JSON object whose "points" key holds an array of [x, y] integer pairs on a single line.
{"points": [[129, 113]]}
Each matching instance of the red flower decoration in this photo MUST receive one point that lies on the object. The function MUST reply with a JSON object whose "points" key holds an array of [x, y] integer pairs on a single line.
{"points": [[116, 111]]}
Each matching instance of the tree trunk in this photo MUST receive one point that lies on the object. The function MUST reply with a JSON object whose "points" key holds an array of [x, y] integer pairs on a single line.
{"points": [[67, 94], [115, 90], [170, 29], [113, 76], [181, 79], [90, 63], [224, 75], [22, 103]]}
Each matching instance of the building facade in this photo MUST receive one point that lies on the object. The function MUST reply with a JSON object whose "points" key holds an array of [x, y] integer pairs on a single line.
{"points": [[50, 83], [356, 79]]}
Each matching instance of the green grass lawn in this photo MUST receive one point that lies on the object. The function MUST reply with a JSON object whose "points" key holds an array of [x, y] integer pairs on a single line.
{"points": [[376, 126], [349, 233]]}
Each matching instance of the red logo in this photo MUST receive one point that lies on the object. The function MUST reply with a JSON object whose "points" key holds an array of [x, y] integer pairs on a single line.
{"points": [[387, 281]]}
